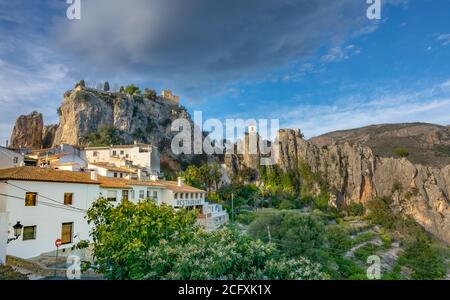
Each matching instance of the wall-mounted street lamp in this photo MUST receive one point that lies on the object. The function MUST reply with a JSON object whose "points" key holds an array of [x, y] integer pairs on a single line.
{"points": [[17, 232]]}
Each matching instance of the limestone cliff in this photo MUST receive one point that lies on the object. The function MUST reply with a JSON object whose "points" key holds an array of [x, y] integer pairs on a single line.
{"points": [[355, 174], [27, 131], [136, 118]]}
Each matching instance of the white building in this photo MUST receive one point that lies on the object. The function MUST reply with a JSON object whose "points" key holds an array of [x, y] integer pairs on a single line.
{"points": [[52, 204], [10, 159], [110, 170], [138, 156]]}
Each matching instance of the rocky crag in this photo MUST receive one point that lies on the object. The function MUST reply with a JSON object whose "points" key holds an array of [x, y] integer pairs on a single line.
{"points": [[28, 131], [144, 118], [354, 173]]}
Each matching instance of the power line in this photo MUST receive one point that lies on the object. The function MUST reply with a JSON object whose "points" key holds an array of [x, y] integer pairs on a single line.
{"points": [[45, 197], [45, 203]]}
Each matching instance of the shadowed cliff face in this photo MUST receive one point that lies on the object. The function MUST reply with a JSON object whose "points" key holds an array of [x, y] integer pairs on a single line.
{"points": [[27, 131], [356, 174]]}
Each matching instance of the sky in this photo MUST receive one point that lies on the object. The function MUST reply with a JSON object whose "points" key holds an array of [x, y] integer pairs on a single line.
{"points": [[317, 65]]}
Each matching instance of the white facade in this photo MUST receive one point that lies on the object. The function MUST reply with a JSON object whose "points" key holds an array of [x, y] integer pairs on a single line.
{"points": [[47, 219], [48, 214], [111, 172], [10, 159], [138, 155], [3, 236]]}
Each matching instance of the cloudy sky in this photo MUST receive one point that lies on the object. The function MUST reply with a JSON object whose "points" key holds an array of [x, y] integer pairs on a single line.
{"points": [[318, 65]]}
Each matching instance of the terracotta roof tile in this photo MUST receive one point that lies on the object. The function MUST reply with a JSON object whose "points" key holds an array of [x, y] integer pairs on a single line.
{"points": [[44, 174]]}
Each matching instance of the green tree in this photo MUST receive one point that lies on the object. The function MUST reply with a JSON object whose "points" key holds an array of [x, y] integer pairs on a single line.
{"points": [[131, 90], [123, 234], [297, 234], [144, 241], [104, 136]]}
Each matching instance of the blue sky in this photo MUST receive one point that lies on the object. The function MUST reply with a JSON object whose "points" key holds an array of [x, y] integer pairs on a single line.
{"points": [[316, 65]]}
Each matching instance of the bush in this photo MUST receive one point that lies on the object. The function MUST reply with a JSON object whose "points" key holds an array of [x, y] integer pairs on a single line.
{"points": [[355, 209], [401, 151], [425, 261], [245, 217], [338, 239]]}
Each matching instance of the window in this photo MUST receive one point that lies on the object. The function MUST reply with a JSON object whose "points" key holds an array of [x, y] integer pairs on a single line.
{"points": [[95, 154], [66, 233], [114, 153], [68, 198], [141, 194], [148, 194], [155, 195], [15, 160], [121, 175], [115, 175], [29, 233], [121, 152], [175, 196], [132, 195], [112, 195], [30, 199], [126, 156], [124, 195]]}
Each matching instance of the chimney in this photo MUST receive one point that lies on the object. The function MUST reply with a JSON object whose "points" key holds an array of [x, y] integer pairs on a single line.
{"points": [[180, 181], [94, 175]]}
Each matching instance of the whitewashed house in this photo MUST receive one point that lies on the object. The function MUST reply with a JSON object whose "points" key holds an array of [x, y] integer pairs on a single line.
{"points": [[138, 156], [52, 204], [110, 170], [10, 159]]}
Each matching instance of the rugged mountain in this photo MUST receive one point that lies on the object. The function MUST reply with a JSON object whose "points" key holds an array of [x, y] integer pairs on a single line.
{"points": [[427, 144], [355, 173], [27, 131], [136, 118]]}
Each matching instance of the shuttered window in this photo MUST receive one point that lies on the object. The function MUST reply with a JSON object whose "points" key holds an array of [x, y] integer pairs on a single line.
{"points": [[68, 198], [29, 233], [112, 195], [66, 233], [30, 199]]}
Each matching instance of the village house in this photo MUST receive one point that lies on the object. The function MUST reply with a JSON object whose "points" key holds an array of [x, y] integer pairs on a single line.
{"points": [[136, 156], [10, 159], [52, 204]]}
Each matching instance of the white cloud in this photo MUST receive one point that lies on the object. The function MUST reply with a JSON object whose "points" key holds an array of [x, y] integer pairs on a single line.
{"points": [[444, 39], [429, 105], [337, 54]]}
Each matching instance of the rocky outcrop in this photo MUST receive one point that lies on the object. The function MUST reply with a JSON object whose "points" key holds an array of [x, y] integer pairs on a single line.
{"points": [[48, 135], [136, 118], [27, 131], [355, 174]]}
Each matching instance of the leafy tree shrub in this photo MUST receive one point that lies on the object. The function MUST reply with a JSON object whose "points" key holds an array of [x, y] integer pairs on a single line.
{"points": [[223, 254], [425, 261], [246, 217], [296, 234], [106, 86], [131, 90], [144, 241], [105, 136], [338, 239], [355, 209], [401, 151], [150, 94]]}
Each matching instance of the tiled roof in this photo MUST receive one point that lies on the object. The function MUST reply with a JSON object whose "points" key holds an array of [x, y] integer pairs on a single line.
{"points": [[44, 174], [113, 168], [118, 146], [53, 175], [173, 186]]}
